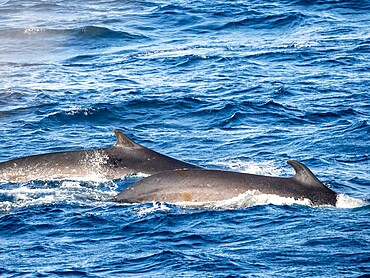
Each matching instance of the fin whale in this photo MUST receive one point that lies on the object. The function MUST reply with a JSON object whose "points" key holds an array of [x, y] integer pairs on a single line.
{"points": [[214, 185], [124, 158]]}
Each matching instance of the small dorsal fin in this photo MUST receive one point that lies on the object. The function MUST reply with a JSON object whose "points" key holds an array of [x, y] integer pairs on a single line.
{"points": [[124, 141], [303, 174]]}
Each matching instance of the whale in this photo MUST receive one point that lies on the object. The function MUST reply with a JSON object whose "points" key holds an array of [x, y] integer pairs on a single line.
{"points": [[124, 158], [200, 185]]}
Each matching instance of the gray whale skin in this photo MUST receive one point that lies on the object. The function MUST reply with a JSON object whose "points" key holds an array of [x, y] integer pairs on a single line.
{"points": [[124, 158], [214, 185]]}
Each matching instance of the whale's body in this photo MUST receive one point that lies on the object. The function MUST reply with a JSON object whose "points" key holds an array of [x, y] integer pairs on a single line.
{"points": [[124, 158], [212, 185]]}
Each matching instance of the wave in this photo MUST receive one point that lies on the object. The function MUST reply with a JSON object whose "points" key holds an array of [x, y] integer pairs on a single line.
{"points": [[326, 116], [99, 114], [231, 113], [85, 32], [95, 32], [352, 6], [275, 21]]}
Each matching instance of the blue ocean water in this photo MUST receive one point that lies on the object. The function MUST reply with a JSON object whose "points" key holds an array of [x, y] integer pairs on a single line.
{"points": [[236, 85]]}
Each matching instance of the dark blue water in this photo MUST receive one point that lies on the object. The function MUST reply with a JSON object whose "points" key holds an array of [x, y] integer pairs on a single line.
{"points": [[240, 85]]}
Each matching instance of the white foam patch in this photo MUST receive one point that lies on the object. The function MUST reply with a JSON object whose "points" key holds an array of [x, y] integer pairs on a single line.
{"points": [[344, 201], [67, 192], [248, 199], [157, 206], [255, 198], [78, 110], [70, 184], [137, 175], [5, 206], [87, 178]]}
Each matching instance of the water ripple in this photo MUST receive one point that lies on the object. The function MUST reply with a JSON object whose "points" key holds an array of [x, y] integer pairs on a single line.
{"points": [[232, 85]]}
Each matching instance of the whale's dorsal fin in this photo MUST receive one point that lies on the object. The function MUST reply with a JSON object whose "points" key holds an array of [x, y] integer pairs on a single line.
{"points": [[124, 141], [303, 174]]}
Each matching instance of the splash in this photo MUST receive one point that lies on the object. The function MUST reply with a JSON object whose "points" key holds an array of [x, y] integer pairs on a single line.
{"points": [[345, 202], [248, 199], [255, 198], [49, 193], [252, 198], [94, 162]]}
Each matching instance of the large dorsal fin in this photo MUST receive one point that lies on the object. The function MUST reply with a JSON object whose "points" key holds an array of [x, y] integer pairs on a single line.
{"points": [[124, 141], [303, 174]]}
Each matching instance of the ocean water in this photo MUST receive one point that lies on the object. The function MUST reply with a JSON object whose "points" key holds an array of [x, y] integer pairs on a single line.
{"points": [[234, 85]]}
